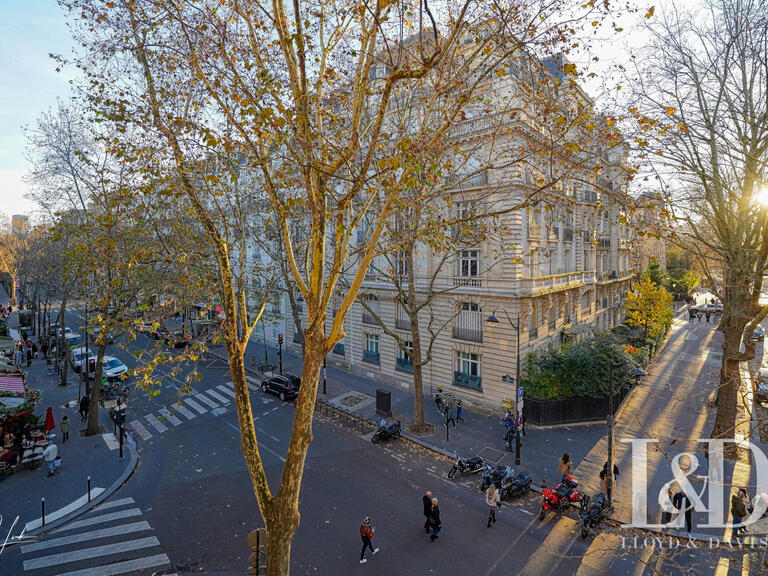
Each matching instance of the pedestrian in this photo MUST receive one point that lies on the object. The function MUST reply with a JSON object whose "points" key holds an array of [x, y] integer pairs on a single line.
{"points": [[691, 314], [509, 438], [493, 500], [366, 534], [434, 521], [34, 349], [450, 415], [613, 478], [64, 424], [427, 503], [49, 424], [85, 404], [29, 356], [564, 465], [49, 455], [521, 425], [44, 349], [458, 411], [707, 315], [682, 503], [666, 506], [17, 357], [698, 316]]}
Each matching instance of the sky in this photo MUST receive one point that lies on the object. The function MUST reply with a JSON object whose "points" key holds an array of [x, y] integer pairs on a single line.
{"points": [[29, 84], [32, 29]]}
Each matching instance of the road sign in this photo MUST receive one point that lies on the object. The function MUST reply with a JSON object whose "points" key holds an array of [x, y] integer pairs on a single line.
{"points": [[257, 541], [520, 393], [507, 378]]}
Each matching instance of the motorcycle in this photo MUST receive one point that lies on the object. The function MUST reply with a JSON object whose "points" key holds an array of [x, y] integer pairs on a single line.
{"points": [[593, 512], [560, 498], [470, 465], [386, 431], [494, 475], [515, 485]]}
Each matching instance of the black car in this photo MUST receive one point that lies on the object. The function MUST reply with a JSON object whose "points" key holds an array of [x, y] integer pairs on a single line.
{"points": [[286, 387]]}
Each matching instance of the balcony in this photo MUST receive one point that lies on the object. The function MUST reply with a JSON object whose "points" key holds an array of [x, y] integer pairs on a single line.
{"points": [[553, 232], [474, 125], [467, 180], [468, 334], [604, 243], [474, 281], [552, 325], [402, 324], [370, 357], [568, 234], [369, 319], [533, 334], [404, 365], [546, 284], [467, 380], [339, 349], [607, 276], [591, 197]]}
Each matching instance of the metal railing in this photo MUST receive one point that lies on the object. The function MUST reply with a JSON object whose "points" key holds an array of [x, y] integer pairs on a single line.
{"points": [[402, 323], [467, 380], [468, 334], [370, 357], [404, 365], [339, 349], [369, 319]]}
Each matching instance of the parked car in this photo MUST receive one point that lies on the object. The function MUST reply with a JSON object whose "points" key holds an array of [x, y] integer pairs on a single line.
{"points": [[73, 340], [761, 381], [758, 334], [142, 326], [94, 333], [711, 308], [77, 358], [55, 329], [177, 339], [112, 368], [280, 385]]}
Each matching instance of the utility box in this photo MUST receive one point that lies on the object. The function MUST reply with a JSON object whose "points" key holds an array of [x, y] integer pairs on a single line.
{"points": [[383, 402]]}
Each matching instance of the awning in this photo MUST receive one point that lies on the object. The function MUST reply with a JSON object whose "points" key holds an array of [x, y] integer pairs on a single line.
{"points": [[14, 334], [12, 383]]}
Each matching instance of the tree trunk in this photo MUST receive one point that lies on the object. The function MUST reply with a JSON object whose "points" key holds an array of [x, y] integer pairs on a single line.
{"points": [[61, 342], [13, 289], [93, 407], [413, 316]]}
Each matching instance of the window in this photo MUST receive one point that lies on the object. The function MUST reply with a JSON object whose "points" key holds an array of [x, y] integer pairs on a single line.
{"points": [[468, 324], [469, 268], [401, 265], [371, 351], [373, 304], [339, 348], [467, 372], [404, 362], [402, 320], [464, 212]]}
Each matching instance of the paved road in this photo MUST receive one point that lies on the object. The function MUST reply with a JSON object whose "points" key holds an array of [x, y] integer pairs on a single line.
{"points": [[189, 507]]}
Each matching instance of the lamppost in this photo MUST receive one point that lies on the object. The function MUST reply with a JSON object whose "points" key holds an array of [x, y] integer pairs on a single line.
{"points": [[492, 321], [611, 366]]}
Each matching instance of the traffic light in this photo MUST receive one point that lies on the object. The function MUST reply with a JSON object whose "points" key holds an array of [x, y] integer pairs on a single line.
{"points": [[280, 339]]}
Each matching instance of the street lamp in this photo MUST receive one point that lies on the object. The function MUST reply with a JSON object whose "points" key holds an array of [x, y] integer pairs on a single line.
{"points": [[493, 321], [611, 366]]}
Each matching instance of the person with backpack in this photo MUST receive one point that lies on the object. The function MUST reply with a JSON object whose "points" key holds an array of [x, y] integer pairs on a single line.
{"points": [[366, 534]]}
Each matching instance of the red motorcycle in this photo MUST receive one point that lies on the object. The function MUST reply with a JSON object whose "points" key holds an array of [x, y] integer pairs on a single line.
{"points": [[560, 498]]}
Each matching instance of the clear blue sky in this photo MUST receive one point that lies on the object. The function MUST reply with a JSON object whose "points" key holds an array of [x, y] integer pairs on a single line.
{"points": [[29, 31]]}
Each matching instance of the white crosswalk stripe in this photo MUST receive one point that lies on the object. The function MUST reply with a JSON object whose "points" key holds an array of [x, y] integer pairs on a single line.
{"points": [[111, 441], [203, 398], [216, 396], [227, 389], [101, 544], [169, 417], [155, 423], [183, 411], [199, 409], [139, 427], [253, 383]]}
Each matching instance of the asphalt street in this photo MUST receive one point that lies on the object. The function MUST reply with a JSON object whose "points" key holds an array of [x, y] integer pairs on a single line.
{"points": [[189, 506]]}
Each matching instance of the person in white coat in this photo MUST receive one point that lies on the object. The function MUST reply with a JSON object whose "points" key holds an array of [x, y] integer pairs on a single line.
{"points": [[49, 455], [493, 500]]}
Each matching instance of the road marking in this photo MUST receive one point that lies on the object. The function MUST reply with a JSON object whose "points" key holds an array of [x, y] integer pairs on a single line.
{"points": [[206, 400], [72, 506], [86, 536], [227, 391], [183, 411], [111, 441], [155, 423], [113, 504], [169, 417], [552, 549], [139, 427], [262, 446], [88, 553], [122, 567], [511, 546], [216, 396], [196, 406], [253, 384], [99, 519], [272, 437]]}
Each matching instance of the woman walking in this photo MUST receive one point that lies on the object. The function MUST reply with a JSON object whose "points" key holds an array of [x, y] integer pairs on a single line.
{"points": [[493, 500], [435, 521], [564, 465], [366, 533]]}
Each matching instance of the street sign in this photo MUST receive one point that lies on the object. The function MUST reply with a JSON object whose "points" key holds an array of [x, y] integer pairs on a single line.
{"points": [[257, 541], [520, 404], [507, 378], [520, 393]]}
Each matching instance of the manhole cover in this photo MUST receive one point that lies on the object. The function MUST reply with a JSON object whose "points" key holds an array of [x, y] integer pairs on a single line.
{"points": [[352, 400], [491, 454]]}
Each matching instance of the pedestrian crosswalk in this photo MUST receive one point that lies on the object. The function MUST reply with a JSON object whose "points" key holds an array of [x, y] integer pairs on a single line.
{"points": [[100, 544], [213, 401]]}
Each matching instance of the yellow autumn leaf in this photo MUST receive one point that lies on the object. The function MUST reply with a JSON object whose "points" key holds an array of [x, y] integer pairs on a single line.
{"points": [[650, 12], [671, 110]]}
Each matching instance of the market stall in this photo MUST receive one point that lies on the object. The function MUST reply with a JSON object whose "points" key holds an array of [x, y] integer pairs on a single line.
{"points": [[21, 442]]}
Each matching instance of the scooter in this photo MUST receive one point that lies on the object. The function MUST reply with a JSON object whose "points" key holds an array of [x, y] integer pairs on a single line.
{"points": [[386, 431], [470, 465], [593, 512], [494, 475], [560, 498], [515, 484]]}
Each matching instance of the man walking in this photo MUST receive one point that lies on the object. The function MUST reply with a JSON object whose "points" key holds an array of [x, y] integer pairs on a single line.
{"points": [[450, 415], [64, 424], [49, 455], [458, 411], [85, 404], [44, 348], [427, 503]]}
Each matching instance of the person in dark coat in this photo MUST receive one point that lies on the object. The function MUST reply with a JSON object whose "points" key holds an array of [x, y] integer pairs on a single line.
{"points": [[450, 415], [85, 403], [458, 412], [427, 503], [44, 349], [434, 520], [34, 349], [681, 502], [29, 356]]}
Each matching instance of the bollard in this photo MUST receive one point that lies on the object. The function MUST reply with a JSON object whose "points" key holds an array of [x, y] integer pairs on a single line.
{"points": [[89, 488], [42, 505]]}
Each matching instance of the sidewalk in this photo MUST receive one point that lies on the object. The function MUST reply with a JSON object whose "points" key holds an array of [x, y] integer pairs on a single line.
{"points": [[65, 493]]}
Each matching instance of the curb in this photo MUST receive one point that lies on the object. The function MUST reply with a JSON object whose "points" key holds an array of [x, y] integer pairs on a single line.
{"points": [[129, 470]]}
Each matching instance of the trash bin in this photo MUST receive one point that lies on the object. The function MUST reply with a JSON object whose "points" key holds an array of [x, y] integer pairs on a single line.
{"points": [[383, 402]]}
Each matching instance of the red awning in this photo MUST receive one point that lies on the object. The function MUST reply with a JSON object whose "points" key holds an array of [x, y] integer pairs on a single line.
{"points": [[12, 383]]}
